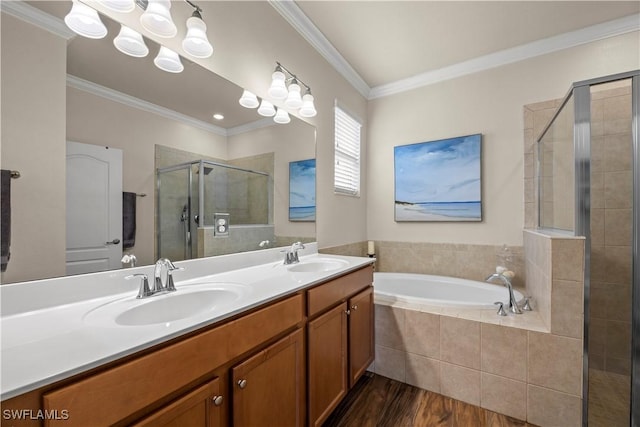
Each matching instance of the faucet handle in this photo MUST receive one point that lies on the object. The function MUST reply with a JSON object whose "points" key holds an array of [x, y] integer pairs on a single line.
{"points": [[526, 306], [144, 290], [170, 286], [501, 311]]}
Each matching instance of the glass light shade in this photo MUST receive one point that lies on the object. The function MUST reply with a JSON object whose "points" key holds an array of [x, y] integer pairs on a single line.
{"points": [[249, 100], [195, 43], [293, 100], [278, 89], [307, 109], [85, 21], [157, 19], [130, 42], [169, 61], [281, 117], [266, 109], [122, 6]]}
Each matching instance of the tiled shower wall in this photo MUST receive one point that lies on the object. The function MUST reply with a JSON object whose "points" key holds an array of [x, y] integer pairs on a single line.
{"points": [[611, 220]]}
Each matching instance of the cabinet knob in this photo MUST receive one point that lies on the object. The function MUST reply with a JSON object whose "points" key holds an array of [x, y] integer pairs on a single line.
{"points": [[242, 383], [217, 400], [348, 312], [354, 307]]}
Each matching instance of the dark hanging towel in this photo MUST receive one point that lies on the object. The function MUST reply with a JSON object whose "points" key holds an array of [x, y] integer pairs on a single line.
{"points": [[128, 220], [5, 218]]}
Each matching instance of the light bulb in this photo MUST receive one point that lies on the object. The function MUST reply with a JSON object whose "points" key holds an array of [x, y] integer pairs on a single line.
{"points": [[307, 109], [281, 116], [278, 89], [266, 109], [195, 43], [85, 21], [248, 100], [122, 6], [130, 42], [293, 100], [169, 61], [157, 19]]}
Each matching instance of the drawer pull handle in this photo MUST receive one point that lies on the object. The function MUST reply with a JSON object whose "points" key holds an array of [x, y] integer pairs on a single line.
{"points": [[242, 383], [217, 400]]}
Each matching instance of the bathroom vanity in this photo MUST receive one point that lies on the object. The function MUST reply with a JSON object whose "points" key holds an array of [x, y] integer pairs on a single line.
{"points": [[285, 358]]}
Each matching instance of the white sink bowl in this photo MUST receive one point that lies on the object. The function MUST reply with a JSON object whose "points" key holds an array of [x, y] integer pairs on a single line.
{"points": [[188, 301], [318, 265]]}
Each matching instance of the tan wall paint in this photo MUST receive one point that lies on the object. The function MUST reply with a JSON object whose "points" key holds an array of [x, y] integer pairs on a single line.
{"points": [[37, 150], [490, 103], [95, 120]]}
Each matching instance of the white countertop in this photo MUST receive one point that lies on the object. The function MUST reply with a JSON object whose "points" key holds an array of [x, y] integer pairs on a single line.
{"points": [[46, 336]]}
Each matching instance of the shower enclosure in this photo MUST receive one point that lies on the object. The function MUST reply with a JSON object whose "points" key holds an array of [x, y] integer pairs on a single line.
{"points": [[588, 178], [192, 197]]}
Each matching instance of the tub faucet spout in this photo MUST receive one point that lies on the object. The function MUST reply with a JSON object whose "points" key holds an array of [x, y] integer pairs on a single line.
{"points": [[513, 304]]}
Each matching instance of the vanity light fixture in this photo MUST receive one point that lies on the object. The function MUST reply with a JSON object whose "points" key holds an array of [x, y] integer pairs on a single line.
{"points": [[278, 89], [195, 43], [122, 6], [85, 21], [130, 42], [307, 109], [294, 100], [266, 109], [249, 100], [157, 19], [281, 117], [169, 61]]}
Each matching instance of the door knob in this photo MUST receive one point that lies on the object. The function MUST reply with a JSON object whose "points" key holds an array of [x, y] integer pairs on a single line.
{"points": [[113, 242], [242, 383]]}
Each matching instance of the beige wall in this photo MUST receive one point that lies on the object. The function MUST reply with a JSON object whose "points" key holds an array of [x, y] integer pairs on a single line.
{"points": [[95, 120], [248, 37], [291, 142], [490, 103], [33, 143]]}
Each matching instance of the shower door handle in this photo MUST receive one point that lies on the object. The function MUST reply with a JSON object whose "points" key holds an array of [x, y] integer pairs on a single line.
{"points": [[113, 242]]}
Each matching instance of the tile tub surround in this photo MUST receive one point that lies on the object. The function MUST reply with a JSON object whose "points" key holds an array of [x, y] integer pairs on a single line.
{"points": [[530, 369]]}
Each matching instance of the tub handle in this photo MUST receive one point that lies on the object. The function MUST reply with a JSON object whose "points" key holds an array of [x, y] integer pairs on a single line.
{"points": [[501, 311]]}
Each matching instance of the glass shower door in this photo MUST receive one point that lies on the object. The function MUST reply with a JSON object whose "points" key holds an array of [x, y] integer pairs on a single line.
{"points": [[174, 216]]}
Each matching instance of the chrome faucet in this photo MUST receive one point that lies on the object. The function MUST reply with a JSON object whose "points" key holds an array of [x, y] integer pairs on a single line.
{"points": [[160, 283], [513, 304], [291, 254]]}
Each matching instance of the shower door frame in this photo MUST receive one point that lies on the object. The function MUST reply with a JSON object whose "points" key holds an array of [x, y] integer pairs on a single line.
{"points": [[581, 93]]}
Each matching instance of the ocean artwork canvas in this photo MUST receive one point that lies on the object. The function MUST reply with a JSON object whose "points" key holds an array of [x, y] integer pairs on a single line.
{"points": [[439, 180], [302, 190]]}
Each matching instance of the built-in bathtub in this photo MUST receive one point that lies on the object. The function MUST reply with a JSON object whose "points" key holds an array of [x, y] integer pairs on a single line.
{"points": [[442, 291]]}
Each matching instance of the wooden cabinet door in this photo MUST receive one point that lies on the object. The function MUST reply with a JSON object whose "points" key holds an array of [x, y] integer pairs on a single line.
{"points": [[269, 387], [198, 408], [327, 363], [361, 341]]}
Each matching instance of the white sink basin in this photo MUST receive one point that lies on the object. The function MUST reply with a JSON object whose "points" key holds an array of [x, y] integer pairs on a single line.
{"points": [[187, 302], [318, 265]]}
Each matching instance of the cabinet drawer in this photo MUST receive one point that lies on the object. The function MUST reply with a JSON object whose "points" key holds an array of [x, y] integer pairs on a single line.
{"points": [[330, 293], [112, 395]]}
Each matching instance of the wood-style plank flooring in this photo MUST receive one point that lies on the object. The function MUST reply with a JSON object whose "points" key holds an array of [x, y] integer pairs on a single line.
{"points": [[379, 401]]}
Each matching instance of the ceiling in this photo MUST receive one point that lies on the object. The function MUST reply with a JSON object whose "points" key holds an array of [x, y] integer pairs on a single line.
{"points": [[374, 44], [387, 41]]}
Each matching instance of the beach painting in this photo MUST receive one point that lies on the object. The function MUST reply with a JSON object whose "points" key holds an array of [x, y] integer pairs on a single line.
{"points": [[302, 190], [439, 180]]}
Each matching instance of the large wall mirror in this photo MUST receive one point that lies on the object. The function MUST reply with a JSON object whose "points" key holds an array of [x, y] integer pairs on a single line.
{"points": [[66, 98]]}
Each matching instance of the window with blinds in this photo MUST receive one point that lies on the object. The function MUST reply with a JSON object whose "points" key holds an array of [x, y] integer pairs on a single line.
{"points": [[347, 154]]}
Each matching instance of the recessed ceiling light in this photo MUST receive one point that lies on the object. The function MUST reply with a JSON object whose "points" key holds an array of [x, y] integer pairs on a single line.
{"points": [[218, 116]]}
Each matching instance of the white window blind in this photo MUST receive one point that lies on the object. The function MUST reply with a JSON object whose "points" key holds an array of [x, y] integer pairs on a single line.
{"points": [[347, 154]]}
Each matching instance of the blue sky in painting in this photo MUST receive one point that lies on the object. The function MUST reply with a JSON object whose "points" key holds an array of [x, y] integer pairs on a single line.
{"points": [[439, 171], [302, 183]]}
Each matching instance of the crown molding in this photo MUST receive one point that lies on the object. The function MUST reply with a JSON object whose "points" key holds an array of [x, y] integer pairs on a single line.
{"points": [[19, 9], [131, 101], [519, 53], [301, 23], [258, 124]]}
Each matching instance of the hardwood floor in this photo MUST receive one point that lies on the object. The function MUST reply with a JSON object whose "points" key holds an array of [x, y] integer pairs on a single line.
{"points": [[380, 401]]}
